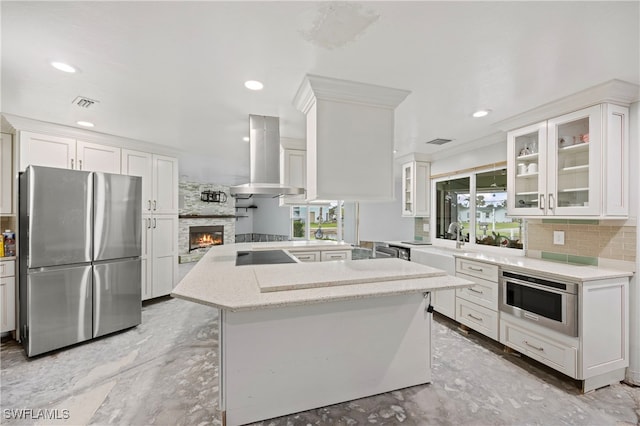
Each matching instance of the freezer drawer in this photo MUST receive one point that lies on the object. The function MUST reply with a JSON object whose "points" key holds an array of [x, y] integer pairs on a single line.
{"points": [[58, 215], [59, 305], [117, 288], [117, 214]]}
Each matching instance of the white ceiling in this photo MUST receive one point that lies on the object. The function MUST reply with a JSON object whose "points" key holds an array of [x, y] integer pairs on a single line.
{"points": [[172, 73]]}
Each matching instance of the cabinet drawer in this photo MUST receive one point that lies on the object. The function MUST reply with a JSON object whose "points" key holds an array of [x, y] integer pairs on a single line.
{"points": [[477, 317], [554, 354], [335, 255], [7, 268], [307, 256], [484, 293], [482, 270]]}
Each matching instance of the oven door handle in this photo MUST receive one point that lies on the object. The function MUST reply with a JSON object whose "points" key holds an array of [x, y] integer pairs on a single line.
{"points": [[541, 287]]}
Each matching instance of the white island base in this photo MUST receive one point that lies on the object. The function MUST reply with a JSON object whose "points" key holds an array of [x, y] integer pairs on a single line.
{"points": [[284, 360]]}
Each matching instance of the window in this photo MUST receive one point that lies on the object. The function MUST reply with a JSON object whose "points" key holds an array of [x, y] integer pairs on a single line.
{"points": [[317, 222], [473, 209]]}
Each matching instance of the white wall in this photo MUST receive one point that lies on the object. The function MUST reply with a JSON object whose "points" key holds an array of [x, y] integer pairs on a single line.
{"points": [[384, 221], [482, 156], [269, 217]]}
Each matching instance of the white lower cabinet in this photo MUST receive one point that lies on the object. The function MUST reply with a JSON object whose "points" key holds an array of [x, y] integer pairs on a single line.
{"points": [[477, 306], [600, 354], [444, 302], [159, 255], [7, 295], [307, 256], [477, 317], [554, 353], [335, 255], [321, 255]]}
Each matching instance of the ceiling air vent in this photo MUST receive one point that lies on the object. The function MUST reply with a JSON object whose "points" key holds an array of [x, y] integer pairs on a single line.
{"points": [[439, 141], [83, 102]]}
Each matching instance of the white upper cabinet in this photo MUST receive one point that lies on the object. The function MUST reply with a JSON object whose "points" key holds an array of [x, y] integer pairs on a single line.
{"points": [[350, 131], [97, 158], [293, 169], [6, 174], [137, 163], [67, 153], [415, 188], [159, 180], [46, 150], [574, 165], [165, 185]]}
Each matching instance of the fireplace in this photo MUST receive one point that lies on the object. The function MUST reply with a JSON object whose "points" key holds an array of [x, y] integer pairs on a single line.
{"points": [[205, 236]]}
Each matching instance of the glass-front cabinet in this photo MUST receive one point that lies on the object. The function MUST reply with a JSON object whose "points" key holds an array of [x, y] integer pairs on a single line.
{"points": [[564, 166]]}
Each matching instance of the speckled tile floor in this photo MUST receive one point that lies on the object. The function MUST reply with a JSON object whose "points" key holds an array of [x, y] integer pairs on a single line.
{"points": [[164, 372]]}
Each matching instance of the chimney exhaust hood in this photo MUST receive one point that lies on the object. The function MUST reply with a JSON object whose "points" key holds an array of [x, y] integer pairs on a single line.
{"points": [[264, 161]]}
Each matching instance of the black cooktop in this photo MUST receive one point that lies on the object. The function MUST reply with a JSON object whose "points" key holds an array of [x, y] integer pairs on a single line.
{"points": [[263, 257]]}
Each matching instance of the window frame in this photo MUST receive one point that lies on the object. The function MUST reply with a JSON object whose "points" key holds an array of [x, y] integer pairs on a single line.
{"points": [[470, 245]]}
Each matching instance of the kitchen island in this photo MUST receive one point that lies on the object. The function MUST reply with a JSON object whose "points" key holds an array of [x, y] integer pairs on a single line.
{"points": [[298, 336]]}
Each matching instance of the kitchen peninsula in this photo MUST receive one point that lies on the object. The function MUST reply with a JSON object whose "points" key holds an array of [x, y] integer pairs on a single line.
{"points": [[296, 336]]}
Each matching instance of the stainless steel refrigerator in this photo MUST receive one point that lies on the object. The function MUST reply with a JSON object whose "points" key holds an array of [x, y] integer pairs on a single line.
{"points": [[80, 248]]}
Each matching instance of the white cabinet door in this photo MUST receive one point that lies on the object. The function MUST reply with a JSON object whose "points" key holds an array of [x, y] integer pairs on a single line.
{"points": [[145, 257], [8, 304], [46, 150], [293, 169], [136, 163], [444, 302], [526, 165], [6, 174], [164, 253], [574, 163], [97, 158], [415, 189], [165, 185]]}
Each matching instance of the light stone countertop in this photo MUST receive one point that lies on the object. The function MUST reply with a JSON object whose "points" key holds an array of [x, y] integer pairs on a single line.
{"points": [[217, 282], [545, 268]]}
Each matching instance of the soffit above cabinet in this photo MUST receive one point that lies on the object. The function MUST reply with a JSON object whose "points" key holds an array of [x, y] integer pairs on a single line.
{"points": [[613, 91]]}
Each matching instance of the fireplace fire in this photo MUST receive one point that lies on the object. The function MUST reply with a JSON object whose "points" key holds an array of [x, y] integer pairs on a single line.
{"points": [[205, 236]]}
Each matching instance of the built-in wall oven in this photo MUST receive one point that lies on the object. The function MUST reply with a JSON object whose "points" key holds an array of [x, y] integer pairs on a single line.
{"points": [[549, 303]]}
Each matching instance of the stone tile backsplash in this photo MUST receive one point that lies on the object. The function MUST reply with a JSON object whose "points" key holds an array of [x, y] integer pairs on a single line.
{"points": [[585, 240], [189, 203]]}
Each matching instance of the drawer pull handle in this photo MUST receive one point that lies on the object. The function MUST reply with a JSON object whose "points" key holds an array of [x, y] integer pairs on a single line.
{"points": [[475, 317], [533, 346], [476, 291], [476, 269]]}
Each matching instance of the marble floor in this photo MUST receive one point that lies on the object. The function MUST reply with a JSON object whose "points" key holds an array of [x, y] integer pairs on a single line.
{"points": [[164, 372]]}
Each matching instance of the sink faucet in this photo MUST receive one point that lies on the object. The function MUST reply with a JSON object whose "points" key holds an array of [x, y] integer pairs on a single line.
{"points": [[459, 241]]}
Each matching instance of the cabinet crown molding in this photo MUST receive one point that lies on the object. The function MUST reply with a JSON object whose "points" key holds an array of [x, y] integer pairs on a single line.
{"points": [[615, 91], [326, 88]]}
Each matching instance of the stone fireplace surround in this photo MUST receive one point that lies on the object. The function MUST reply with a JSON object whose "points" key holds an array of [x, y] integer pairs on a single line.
{"points": [[202, 213]]}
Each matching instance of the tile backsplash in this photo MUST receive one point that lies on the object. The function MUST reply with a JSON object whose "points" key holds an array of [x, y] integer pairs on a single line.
{"points": [[586, 241]]}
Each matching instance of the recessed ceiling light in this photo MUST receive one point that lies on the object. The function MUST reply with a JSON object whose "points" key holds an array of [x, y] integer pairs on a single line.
{"points": [[63, 67], [395, 151], [253, 85], [246, 139], [84, 123], [481, 113]]}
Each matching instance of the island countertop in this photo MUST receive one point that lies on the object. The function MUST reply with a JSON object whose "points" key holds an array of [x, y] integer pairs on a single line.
{"points": [[216, 280]]}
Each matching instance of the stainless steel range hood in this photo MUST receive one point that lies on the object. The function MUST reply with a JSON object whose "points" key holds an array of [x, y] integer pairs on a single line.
{"points": [[264, 161]]}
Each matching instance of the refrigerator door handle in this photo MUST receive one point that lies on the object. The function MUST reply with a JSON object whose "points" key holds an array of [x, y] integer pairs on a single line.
{"points": [[148, 204], [154, 223], [148, 223], [155, 205]]}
